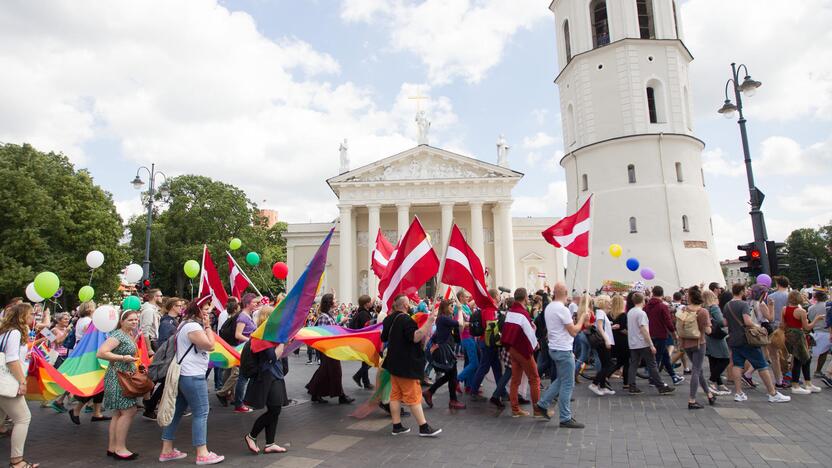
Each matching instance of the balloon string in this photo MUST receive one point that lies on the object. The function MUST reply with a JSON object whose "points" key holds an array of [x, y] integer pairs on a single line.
{"points": [[92, 272], [191, 282], [265, 281]]}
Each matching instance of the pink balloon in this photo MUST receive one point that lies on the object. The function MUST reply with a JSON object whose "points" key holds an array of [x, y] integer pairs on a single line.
{"points": [[647, 273]]}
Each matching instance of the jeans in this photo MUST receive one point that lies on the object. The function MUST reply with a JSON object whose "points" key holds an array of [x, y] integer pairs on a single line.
{"points": [[218, 378], [544, 362], [240, 390], [520, 365], [561, 387], [489, 358], [581, 349], [697, 375], [662, 356], [193, 392], [449, 378], [502, 382], [467, 374], [636, 356]]}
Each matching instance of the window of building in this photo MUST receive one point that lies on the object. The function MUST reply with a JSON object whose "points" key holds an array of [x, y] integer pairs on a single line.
{"points": [[655, 101], [600, 25], [633, 227], [567, 41], [685, 225], [584, 183], [651, 104], [679, 176], [631, 174], [644, 9], [702, 172]]}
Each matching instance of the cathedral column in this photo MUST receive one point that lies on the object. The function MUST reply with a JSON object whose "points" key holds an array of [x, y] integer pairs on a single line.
{"points": [[476, 238], [447, 221], [373, 224], [507, 244], [496, 222], [404, 219], [346, 244]]}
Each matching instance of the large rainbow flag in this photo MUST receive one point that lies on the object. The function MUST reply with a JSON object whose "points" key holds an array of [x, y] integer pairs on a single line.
{"points": [[223, 356], [344, 344], [82, 369], [288, 317]]}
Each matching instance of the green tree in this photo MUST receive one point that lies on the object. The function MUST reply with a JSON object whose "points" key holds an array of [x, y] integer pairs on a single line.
{"points": [[52, 217], [803, 246]]}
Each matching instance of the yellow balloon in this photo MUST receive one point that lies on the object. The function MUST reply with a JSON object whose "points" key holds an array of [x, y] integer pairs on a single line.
{"points": [[616, 250]]}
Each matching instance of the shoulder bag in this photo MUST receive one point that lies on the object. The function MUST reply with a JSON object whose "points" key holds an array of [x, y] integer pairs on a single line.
{"points": [[8, 383], [136, 383], [755, 336], [167, 404]]}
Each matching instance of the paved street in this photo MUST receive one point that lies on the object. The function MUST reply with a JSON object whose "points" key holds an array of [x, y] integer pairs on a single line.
{"points": [[621, 430]]}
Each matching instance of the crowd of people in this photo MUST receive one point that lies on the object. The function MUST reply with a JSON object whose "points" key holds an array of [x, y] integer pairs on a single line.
{"points": [[525, 339]]}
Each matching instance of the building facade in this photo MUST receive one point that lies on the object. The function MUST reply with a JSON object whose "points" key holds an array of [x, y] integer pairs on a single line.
{"points": [[733, 275], [629, 142]]}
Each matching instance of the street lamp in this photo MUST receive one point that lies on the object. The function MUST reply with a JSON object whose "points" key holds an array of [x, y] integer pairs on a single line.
{"points": [[817, 268], [138, 183], [747, 87]]}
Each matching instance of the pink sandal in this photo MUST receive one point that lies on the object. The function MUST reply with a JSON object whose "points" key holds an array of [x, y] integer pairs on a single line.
{"points": [[251, 443], [277, 449]]}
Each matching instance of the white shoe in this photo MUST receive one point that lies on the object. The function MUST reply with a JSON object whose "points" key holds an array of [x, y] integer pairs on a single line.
{"points": [[607, 391], [744, 397], [596, 390], [800, 391], [778, 398], [813, 388]]}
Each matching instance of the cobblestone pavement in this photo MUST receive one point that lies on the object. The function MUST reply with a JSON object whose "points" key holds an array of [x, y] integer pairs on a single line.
{"points": [[621, 430]]}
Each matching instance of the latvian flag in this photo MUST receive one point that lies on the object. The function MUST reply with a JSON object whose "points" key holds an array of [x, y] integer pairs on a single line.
{"points": [[464, 269], [381, 255], [237, 277], [517, 331], [210, 283], [572, 232], [412, 265]]}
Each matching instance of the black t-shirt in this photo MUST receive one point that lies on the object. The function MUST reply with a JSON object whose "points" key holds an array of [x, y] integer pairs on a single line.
{"points": [[362, 319], [404, 358], [733, 312]]}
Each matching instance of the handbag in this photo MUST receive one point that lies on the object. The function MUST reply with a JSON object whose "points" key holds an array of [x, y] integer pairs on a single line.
{"points": [[594, 337], [442, 357], [755, 336], [8, 383], [134, 384]]}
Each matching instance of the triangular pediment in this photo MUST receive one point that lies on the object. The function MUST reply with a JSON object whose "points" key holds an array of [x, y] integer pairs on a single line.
{"points": [[532, 257], [425, 162]]}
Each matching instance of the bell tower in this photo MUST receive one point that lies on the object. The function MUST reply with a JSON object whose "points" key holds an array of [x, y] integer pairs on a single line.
{"points": [[628, 139]]}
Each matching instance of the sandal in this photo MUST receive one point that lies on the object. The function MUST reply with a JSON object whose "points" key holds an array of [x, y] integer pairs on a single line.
{"points": [[251, 443], [276, 449], [25, 464]]}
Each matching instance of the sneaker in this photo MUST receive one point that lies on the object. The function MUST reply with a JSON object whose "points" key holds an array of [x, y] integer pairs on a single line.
{"points": [[150, 416], [596, 390], [497, 402], [778, 398], [571, 424], [688, 372], [826, 380], [800, 391], [428, 396], [635, 390], [742, 397], [541, 412], [677, 379], [400, 430], [172, 455], [242, 409], [666, 390], [357, 380], [522, 400], [210, 459], [813, 388], [57, 407], [455, 404], [748, 381], [608, 391], [519, 413], [427, 431]]}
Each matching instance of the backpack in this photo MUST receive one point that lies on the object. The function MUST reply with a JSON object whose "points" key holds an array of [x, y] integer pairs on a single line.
{"points": [[492, 333], [686, 325], [475, 325], [228, 330], [248, 363], [165, 354]]}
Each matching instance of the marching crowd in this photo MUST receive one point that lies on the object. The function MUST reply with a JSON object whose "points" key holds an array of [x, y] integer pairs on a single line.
{"points": [[526, 339]]}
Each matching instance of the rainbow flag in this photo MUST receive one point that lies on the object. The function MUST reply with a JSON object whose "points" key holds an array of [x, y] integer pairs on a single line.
{"points": [[288, 317], [223, 356], [381, 395], [343, 344], [142, 353], [82, 369], [44, 382]]}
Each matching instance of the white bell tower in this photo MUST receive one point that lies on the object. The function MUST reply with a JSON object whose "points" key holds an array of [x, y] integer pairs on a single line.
{"points": [[628, 139]]}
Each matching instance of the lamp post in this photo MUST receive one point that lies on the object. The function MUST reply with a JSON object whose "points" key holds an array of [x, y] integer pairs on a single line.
{"points": [[138, 183], [747, 87], [817, 268]]}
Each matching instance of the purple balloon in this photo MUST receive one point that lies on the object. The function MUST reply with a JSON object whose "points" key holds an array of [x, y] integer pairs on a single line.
{"points": [[764, 279], [647, 273], [61, 291]]}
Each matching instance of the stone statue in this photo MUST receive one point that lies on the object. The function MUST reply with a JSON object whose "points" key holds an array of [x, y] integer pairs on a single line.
{"points": [[363, 285], [345, 158], [423, 125], [414, 169], [502, 152]]}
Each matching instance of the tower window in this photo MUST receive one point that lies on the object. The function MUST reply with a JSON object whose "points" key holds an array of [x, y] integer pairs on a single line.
{"points": [[645, 19], [651, 104], [584, 183], [600, 25], [567, 41], [679, 176], [631, 174], [702, 172], [655, 101], [633, 227], [685, 225]]}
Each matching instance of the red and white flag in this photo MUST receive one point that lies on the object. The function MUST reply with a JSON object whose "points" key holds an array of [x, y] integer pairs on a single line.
{"points": [[572, 232], [464, 269], [381, 255], [517, 331], [238, 279], [413, 264], [210, 283]]}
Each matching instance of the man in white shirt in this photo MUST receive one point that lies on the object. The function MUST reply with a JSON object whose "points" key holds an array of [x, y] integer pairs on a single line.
{"points": [[149, 318], [641, 347], [561, 333]]}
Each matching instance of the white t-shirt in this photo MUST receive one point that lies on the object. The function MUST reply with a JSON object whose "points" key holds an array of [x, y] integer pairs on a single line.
{"points": [[221, 320], [637, 318], [601, 321], [557, 316], [80, 327], [573, 308], [13, 349], [195, 363]]}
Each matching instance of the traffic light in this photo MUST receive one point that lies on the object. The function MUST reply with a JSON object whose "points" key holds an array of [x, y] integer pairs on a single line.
{"points": [[776, 257], [752, 257]]}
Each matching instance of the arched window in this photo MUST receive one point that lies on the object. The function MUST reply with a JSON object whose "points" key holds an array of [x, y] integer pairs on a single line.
{"points": [[631, 174], [570, 124], [655, 101], [651, 104], [567, 41], [679, 175], [685, 225], [584, 183], [600, 25], [675, 19], [633, 227], [644, 9]]}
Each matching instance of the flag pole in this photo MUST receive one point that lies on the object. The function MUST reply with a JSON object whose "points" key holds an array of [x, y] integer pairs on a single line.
{"points": [[445, 254], [589, 247], [245, 275]]}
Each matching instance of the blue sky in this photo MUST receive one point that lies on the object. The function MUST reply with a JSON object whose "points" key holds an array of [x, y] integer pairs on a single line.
{"points": [[260, 93]]}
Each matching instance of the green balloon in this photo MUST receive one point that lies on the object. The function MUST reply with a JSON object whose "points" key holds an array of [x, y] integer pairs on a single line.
{"points": [[235, 244], [131, 303], [191, 268], [253, 259], [47, 284], [86, 293]]}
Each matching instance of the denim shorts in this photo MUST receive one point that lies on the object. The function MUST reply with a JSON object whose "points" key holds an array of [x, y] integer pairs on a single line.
{"points": [[740, 354]]}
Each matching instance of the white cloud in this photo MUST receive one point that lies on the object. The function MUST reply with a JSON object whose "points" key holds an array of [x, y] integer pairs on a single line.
{"points": [[129, 207], [783, 155], [716, 162], [540, 115], [539, 140], [533, 158], [811, 199], [552, 203], [453, 38], [785, 45]]}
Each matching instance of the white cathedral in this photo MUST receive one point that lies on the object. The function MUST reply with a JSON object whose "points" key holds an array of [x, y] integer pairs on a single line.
{"points": [[628, 138]]}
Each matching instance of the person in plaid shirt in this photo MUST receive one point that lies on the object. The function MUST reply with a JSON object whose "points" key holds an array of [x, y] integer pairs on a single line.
{"points": [[326, 382]]}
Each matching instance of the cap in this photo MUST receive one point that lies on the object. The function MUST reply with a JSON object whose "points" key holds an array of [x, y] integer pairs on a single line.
{"points": [[202, 300]]}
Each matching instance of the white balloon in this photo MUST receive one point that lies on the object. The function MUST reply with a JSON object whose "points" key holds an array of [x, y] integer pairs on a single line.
{"points": [[133, 273], [95, 259], [31, 294], [105, 318]]}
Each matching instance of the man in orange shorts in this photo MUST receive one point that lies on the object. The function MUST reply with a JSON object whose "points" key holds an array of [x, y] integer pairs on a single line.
{"points": [[405, 360]]}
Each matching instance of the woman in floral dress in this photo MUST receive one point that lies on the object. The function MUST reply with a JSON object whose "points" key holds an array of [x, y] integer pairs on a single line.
{"points": [[120, 349]]}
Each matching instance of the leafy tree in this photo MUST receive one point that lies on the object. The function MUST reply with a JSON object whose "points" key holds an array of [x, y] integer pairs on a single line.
{"points": [[803, 246], [52, 217]]}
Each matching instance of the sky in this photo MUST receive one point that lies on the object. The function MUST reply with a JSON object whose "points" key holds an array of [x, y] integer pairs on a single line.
{"points": [[259, 94]]}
